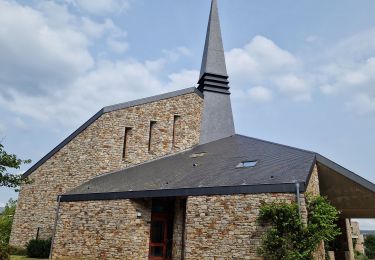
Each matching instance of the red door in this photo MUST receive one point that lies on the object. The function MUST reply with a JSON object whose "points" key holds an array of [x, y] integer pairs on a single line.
{"points": [[161, 233]]}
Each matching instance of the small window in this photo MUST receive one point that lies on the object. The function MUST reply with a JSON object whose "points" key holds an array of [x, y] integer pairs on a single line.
{"points": [[150, 135], [176, 121], [125, 145], [246, 164]]}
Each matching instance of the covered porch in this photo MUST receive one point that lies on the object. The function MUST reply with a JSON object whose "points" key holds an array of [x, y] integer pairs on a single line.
{"points": [[352, 195]]}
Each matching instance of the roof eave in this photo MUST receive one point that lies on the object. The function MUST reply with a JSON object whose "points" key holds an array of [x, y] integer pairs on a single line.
{"points": [[184, 192], [345, 172]]}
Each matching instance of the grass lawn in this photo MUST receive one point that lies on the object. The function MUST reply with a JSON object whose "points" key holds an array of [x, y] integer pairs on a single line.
{"points": [[19, 257]]}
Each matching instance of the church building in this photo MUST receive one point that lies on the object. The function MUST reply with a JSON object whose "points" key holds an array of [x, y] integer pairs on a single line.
{"points": [[167, 177]]}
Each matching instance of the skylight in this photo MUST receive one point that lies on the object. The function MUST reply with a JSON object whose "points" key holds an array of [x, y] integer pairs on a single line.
{"points": [[246, 164], [195, 155]]}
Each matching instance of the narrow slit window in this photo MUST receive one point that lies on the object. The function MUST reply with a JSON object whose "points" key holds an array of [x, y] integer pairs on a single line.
{"points": [[176, 121], [125, 145], [150, 135]]}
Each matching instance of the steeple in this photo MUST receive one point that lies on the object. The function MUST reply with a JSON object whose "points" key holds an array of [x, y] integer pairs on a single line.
{"points": [[213, 75], [217, 118]]}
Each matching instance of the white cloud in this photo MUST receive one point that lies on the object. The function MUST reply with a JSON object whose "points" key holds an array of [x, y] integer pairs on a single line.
{"points": [[102, 7], [46, 46], [293, 86], [362, 103], [19, 123], [177, 53], [355, 48], [312, 39], [117, 46], [97, 30], [327, 89], [183, 79], [48, 49], [2, 130], [262, 63], [35, 54], [258, 59], [345, 69], [350, 72], [260, 94], [366, 224], [109, 83]]}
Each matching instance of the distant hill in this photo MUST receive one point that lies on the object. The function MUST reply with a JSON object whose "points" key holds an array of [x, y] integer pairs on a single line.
{"points": [[368, 232]]}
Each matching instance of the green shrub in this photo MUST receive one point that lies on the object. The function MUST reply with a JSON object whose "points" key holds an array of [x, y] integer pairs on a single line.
{"points": [[360, 256], [38, 248], [17, 250], [288, 238], [4, 252]]}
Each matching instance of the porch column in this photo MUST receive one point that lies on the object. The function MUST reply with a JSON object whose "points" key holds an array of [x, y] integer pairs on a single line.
{"points": [[344, 244]]}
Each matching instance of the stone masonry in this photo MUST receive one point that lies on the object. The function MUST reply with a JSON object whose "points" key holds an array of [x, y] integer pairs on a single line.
{"points": [[103, 230], [99, 149], [226, 227], [313, 185]]}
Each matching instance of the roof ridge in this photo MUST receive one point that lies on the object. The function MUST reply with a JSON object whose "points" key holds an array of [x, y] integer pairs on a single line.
{"points": [[152, 99], [284, 145]]}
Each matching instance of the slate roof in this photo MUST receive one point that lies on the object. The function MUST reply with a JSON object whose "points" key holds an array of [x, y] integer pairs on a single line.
{"points": [[107, 110], [278, 168]]}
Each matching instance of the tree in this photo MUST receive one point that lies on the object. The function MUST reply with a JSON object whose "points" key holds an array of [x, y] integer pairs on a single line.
{"points": [[10, 161], [6, 220], [370, 246]]}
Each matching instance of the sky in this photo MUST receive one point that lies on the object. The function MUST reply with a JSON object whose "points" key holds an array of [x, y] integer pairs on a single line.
{"points": [[302, 73]]}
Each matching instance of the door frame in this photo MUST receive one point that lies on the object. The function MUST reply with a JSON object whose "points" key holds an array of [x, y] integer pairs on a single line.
{"points": [[167, 218]]}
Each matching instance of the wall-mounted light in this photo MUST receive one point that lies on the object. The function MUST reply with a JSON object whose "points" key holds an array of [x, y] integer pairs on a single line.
{"points": [[139, 214]]}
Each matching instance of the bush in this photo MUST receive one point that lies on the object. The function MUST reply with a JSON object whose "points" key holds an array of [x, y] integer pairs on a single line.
{"points": [[4, 252], [288, 238], [38, 248], [360, 256], [13, 250]]}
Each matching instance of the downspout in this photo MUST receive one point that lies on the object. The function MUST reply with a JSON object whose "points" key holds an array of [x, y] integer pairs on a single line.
{"points": [[183, 230], [298, 199], [55, 225]]}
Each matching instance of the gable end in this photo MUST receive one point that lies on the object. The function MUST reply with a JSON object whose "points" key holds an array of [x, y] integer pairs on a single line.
{"points": [[107, 110]]}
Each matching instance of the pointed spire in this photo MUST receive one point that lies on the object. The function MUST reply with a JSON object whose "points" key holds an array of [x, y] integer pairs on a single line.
{"points": [[217, 117], [213, 75]]}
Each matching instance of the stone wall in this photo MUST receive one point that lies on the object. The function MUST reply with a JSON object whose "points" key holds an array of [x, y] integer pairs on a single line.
{"points": [[357, 237], [99, 149], [103, 230], [178, 228], [313, 185], [314, 190], [226, 227]]}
